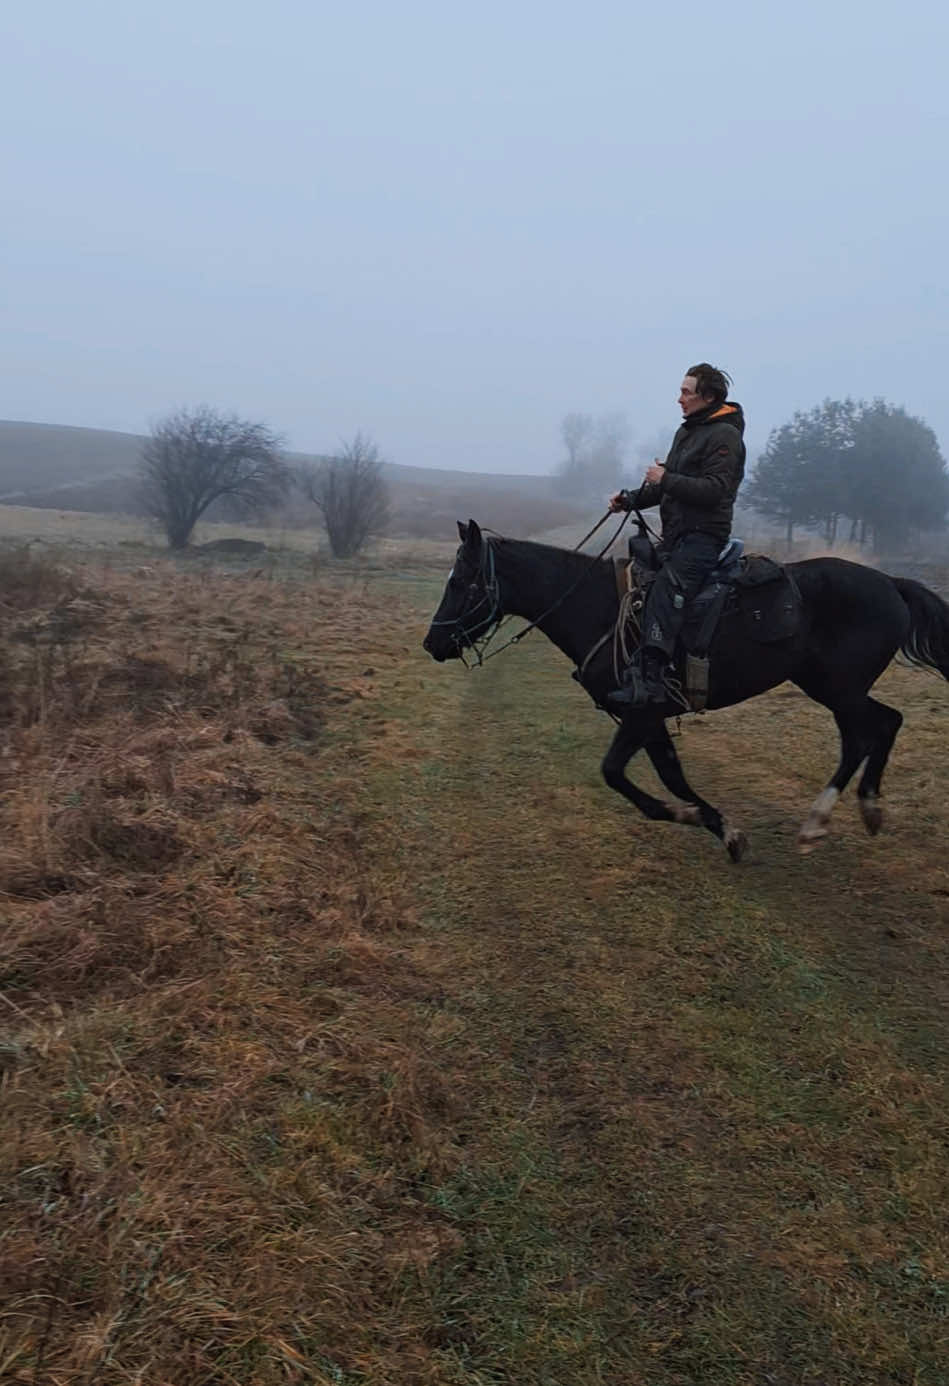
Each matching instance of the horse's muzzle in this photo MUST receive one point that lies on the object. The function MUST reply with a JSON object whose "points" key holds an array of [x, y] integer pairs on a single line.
{"points": [[440, 649]]}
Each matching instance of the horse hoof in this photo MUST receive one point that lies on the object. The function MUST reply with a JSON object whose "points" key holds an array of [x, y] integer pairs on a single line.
{"points": [[814, 829], [736, 843], [872, 814]]}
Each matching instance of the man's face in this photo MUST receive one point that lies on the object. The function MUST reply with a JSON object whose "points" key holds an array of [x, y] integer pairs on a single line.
{"points": [[689, 399]]}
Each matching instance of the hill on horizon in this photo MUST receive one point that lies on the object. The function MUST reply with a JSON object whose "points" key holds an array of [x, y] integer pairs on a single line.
{"points": [[96, 470], [37, 457]]}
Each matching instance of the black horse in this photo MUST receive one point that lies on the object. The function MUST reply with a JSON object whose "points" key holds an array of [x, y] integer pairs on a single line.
{"points": [[854, 620]]}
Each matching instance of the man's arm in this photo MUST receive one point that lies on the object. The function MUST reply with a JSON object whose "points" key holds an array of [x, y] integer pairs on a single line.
{"points": [[721, 475]]}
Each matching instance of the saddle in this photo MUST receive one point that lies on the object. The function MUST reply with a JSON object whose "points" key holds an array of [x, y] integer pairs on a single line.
{"points": [[751, 588]]}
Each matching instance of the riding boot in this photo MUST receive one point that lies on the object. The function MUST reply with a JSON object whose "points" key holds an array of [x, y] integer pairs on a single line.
{"points": [[643, 681]]}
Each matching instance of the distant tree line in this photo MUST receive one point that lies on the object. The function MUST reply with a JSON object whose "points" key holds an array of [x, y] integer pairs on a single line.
{"points": [[196, 459], [863, 472]]}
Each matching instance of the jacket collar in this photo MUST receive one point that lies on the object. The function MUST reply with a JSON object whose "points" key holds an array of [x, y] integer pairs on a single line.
{"points": [[718, 409]]}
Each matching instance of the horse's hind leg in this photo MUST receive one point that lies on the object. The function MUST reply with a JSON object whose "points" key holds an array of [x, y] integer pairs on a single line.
{"points": [[888, 722], [858, 725], [665, 759]]}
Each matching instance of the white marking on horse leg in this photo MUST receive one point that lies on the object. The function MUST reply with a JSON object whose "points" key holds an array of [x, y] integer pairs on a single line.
{"points": [[871, 813], [815, 824], [736, 843], [687, 813]]}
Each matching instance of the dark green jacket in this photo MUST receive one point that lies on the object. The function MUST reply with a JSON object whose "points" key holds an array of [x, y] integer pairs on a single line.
{"points": [[703, 472]]}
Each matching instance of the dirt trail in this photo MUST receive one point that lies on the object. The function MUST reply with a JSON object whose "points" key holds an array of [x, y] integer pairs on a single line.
{"points": [[512, 781], [729, 1081]]}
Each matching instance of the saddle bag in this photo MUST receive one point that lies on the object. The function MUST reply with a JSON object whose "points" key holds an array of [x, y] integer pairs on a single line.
{"points": [[759, 593], [768, 600]]}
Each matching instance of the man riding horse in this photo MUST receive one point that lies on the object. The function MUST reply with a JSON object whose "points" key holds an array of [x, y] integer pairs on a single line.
{"points": [[695, 490]]}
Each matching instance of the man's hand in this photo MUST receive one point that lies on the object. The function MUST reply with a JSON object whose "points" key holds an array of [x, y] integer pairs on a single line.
{"points": [[619, 502], [656, 472]]}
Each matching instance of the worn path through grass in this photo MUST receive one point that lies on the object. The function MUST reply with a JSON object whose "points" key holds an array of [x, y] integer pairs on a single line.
{"points": [[705, 1124]]}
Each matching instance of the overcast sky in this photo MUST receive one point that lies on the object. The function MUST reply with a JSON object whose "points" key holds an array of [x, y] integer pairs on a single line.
{"points": [[448, 225]]}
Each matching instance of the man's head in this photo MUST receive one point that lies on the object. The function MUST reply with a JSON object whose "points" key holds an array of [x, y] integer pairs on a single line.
{"points": [[703, 385]]}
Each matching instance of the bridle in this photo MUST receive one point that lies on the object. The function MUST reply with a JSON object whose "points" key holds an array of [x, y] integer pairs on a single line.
{"points": [[485, 580]]}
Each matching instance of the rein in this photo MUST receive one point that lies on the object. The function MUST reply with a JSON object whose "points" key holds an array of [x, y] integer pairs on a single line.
{"points": [[515, 639], [479, 647]]}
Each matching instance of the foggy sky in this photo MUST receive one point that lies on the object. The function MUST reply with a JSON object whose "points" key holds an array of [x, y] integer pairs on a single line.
{"points": [[449, 225]]}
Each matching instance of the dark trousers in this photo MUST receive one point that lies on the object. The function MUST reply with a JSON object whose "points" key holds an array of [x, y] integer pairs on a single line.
{"points": [[683, 573]]}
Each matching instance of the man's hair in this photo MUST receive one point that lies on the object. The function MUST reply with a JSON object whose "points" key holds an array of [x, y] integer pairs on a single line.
{"points": [[711, 383]]}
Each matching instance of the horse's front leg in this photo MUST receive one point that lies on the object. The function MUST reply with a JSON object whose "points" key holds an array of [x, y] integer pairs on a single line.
{"points": [[665, 759], [630, 736]]}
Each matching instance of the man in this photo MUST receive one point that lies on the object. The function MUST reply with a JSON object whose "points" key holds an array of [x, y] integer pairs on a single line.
{"points": [[695, 490]]}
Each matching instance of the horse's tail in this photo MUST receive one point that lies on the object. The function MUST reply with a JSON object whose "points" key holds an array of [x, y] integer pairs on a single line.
{"points": [[928, 641]]}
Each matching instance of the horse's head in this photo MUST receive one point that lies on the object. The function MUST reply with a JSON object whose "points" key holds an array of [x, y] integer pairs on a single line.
{"points": [[470, 605]]}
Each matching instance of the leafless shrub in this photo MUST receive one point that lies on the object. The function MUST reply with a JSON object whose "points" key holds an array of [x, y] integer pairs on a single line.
{"points": [[351, 494]]}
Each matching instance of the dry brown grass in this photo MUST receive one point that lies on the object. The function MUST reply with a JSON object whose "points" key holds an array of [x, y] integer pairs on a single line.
{"points": [[353, 1033], [208, 1062]]}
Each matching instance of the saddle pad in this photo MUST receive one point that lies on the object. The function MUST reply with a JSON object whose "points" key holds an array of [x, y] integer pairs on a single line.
{"points": [[757, 570]]}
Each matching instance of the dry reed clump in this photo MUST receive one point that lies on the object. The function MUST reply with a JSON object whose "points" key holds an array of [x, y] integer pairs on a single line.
{"points": [[214, 1051], [29, 580]]}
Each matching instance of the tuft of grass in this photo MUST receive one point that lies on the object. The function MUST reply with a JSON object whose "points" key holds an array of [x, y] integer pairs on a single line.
{"points": [[30, 580]]}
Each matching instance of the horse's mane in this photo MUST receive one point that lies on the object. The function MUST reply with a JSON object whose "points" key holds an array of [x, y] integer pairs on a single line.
{"points": [[564, 560], [544, 575]]}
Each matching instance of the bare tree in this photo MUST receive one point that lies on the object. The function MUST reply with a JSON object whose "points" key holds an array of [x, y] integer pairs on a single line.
{"points": [[610, 441], [198, 456], [595, 450], [351, 493], [577, 431]]}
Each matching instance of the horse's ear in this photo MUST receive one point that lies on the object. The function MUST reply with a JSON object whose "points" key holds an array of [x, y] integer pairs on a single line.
{"points": [[462, 532], [471, 535]]}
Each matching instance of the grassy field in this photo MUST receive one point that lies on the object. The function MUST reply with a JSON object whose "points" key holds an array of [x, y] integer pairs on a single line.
{"points": [[124, 542], [353, 1032]]}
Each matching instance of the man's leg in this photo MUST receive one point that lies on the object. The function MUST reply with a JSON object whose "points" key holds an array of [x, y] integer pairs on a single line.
{"points": [[678, 580]]}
